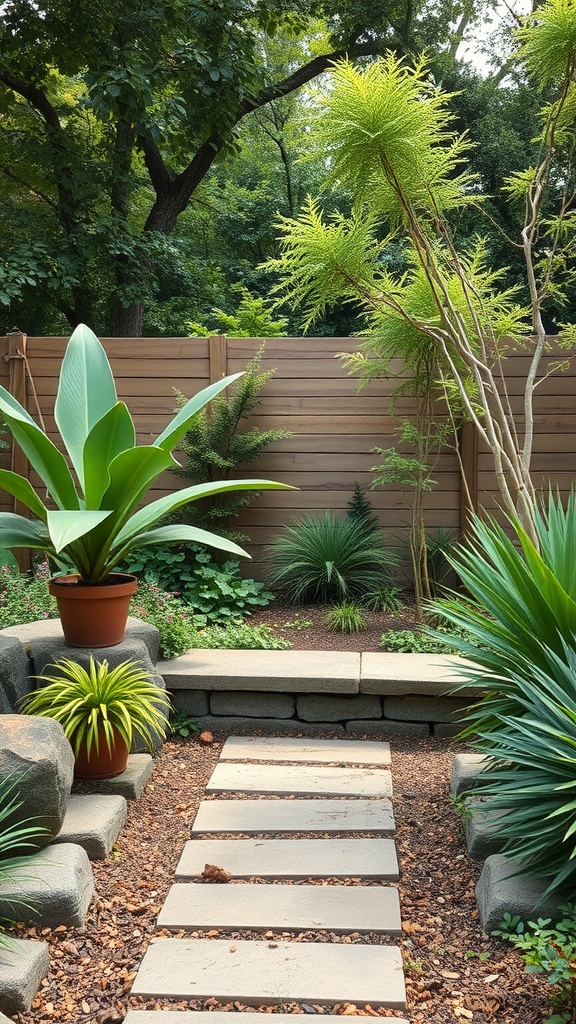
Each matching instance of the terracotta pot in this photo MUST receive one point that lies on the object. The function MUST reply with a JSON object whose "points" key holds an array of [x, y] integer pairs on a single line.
{"points": [[93, 614], [102, 763]]}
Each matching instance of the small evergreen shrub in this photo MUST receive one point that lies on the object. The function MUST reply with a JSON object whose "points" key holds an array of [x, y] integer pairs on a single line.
{"points": [[346, 617], [360, 509]]}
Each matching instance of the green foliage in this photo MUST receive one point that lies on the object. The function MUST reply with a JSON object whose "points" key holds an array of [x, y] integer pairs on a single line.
{"points": [[520, 604], [325, 559], [548, 948], [360, 508], [412, 641], [346, 617], [241, 636], [214, 592], [24, 597], [18, 837], [253, 319], [385, 598], [92, 704], [176, 622], [183, 725], [96, 524], [216, 446], [439, 546]]}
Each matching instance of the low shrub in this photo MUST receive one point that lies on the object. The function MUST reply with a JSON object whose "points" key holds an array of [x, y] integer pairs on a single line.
{"points": [[414, 641], [24, 596], [216, 592], [176, 622]]}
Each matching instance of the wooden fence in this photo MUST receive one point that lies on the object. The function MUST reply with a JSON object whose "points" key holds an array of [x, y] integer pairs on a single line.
{"points": [[333, 427]]}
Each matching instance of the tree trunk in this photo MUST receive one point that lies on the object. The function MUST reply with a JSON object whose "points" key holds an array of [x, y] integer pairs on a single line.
{"points": [[128, 321]]}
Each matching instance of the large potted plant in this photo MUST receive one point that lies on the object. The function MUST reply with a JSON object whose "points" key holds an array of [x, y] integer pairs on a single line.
{"points": [[100, 710], [97, 520]]}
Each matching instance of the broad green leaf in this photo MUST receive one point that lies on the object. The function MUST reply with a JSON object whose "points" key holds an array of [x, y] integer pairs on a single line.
{"points": [[11, 407], [131, 474], [110, 436], [156, 510], [43, 456], [66, 527], [183, 532], [86, 392], [18, 532], [177, 427], [22, 489]]}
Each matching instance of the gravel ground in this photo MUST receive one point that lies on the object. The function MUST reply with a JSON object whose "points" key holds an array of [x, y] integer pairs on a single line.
{"points": [[453, 972]]}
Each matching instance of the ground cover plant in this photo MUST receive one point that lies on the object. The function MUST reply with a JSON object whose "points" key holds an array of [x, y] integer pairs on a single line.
{"points": [[549, 948]]}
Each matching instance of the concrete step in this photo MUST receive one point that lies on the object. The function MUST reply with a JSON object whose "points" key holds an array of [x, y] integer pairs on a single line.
{"points": [[130, 783], [300, 780], [331, 908], [272, 671], [275, 748], [270, 972], [223, 1017], [291, 858], [279, 816], [93, 822]]}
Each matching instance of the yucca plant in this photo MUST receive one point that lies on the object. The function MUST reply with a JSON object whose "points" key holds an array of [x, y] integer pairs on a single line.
{"points": [[520, 603], [325, 559], [19, 837], [531, 774], [94, 705]]}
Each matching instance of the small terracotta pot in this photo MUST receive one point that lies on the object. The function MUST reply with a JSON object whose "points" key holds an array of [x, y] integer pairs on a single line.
{"points": [[102, 763], [93, 614]]}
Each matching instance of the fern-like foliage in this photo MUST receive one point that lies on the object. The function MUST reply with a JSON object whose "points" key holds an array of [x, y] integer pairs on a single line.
{"points": [[217, 446]]}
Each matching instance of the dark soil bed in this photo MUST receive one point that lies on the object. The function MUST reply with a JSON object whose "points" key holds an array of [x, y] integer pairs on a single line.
{"points": [[453, 971], [305, 627]]}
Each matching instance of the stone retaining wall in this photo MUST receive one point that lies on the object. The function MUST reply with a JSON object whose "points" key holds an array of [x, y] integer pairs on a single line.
{"points": [[376, 695]]}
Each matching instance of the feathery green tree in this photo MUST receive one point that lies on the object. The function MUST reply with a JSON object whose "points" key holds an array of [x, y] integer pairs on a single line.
{"points": [[388, 135]]}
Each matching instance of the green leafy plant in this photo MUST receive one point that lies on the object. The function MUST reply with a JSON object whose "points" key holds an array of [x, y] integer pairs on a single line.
{"points": [[414, 641], [19, 837], [24, 596], [241, 636], [253, 319], [96, 525], [325, 559], [385, 598], [176, 621], [98, 702], [439, 546], [183, 725], [216, 446], [214, 592], [346, 617], [548, 948]]}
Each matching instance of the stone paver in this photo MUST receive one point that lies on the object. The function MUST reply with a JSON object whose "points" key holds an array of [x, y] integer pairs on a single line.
{"points": [[292, 858], [259, 972], [391, 673], [258, 816], [130, 784], [300, 779], [284, 671], [93, 822], [282, 907], [224, 1017], [22, 968], [270, 748]]}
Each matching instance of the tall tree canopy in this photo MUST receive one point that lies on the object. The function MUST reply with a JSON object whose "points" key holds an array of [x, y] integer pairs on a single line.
{"points": [[111, 115]]}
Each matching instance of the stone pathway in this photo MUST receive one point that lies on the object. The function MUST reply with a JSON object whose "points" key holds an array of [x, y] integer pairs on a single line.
{"points": [[274, 969]]}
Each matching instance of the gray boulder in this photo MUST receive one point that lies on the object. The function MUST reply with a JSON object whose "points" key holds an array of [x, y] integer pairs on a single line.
{"points": [[14, 673], [35, 753]]}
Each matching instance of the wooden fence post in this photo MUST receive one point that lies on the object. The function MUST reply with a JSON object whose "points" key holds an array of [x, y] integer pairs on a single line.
{"points": [[218, 356], [468, 447], [16, 359]]}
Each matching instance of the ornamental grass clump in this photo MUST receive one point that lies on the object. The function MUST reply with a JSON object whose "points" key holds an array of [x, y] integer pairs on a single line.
{"points": [[19, 837], [325, 559]]}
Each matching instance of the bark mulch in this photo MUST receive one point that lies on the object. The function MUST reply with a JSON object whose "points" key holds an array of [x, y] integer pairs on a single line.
{"points": [[305, 627], [453, 972]]}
